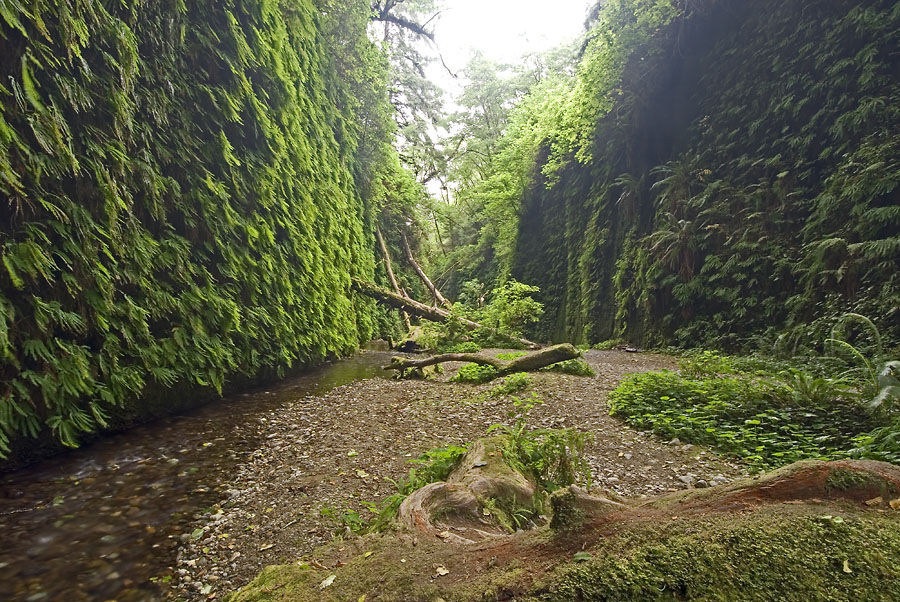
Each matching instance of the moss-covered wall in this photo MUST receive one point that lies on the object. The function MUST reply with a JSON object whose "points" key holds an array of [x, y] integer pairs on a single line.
{"points": [[178, 200], [741, 173]]}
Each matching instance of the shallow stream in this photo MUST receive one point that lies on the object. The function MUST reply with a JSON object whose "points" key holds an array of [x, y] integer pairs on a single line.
{"points": [[104, 522]]}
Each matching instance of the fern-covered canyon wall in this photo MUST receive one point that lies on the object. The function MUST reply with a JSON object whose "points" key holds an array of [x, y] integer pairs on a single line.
{"points": [[724, 170], [185, 197]]}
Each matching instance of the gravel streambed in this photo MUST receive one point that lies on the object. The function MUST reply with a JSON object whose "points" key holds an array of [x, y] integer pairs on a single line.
{"points": [[323, 455]]}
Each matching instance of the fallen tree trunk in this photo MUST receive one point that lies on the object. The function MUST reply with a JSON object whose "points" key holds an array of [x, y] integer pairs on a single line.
{"points": [[390, 273], [438, 297], [435, 314], [526, 363]]}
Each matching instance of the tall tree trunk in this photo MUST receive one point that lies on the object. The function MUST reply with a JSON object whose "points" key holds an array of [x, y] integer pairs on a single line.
{"points": [[390, 273]]}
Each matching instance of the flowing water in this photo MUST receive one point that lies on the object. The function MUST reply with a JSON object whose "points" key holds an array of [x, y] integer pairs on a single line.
{"points": [[103, 523]]}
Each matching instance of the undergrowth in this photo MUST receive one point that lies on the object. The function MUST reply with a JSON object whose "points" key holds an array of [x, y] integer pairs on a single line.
{"points": [[514, 383], [576, 367], [474, 373], [772, 411], [750, 418], [554, 458]]}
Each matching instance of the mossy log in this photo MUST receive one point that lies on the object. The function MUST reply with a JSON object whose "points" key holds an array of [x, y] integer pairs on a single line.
{"points": [[434, 314], [812, 525], [527, 363]]}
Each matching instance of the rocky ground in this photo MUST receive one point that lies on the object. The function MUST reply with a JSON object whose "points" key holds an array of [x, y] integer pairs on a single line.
{"points": [[324, 456]]}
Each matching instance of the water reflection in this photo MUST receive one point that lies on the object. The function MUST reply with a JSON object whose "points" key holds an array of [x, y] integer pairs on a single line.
{"points": [[103, 523]]}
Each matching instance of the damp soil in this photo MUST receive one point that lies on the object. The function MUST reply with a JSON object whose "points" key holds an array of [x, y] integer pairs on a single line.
{"points": [[194, 507]]}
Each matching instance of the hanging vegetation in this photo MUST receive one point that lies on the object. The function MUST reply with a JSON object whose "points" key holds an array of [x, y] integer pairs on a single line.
{"points": [[185, 190], [717, 170]]}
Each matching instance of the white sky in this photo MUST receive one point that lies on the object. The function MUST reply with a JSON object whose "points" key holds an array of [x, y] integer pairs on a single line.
{"points": [[503, 30]]}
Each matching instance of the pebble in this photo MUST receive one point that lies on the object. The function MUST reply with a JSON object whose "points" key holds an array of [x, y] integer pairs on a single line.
{"points": [[675, 441]]}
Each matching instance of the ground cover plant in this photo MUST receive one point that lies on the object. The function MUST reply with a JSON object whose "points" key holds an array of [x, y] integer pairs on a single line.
{"points": [[475, 374], [576, 367], [552, 457], [772, 411], [509, 311], [514, 383]]}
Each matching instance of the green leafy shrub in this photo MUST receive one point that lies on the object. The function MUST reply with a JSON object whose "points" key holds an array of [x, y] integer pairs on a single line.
{"points": [[575, 367], [803, 389], [702, 363], [442, 336], [742, 416], [553, 457], [882, 443], [511, 355], [608, 344], [475, 373], [514, 383], [464, 347]]}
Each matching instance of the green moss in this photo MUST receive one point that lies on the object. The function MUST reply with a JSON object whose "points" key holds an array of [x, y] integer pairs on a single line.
{"points": [[568, 516], [848, 480], [510, 355], [792, 553], [773, 554]]}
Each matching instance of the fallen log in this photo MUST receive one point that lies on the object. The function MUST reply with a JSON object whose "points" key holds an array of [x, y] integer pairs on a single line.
{"points": [[436, 294], [526, 363], [390, 273], [434, 314]]}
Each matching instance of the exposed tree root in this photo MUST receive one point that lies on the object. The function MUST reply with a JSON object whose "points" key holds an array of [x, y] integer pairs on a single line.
{"points": [[455, 509], [830, 529]]}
